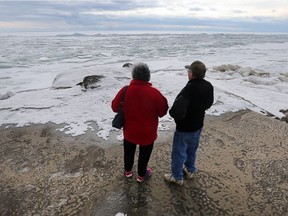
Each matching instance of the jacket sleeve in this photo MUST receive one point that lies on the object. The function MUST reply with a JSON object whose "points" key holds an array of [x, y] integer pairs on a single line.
{"points": [[115, 105], [162, 105], [210, 99], [179, 107]]}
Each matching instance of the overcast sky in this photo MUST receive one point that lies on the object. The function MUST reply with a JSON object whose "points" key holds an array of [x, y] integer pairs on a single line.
{"points": [[145, 15]]}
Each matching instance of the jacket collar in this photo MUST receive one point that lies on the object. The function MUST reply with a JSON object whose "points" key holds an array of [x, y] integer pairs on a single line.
{"points": [[194, 79], [140, 82]]}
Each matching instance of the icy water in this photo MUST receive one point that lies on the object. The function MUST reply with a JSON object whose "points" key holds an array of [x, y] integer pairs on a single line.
{"points": [[244, 49], [38, 74]]}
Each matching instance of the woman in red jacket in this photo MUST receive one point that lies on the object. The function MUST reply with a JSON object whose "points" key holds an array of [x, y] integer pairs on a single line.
{"points": [[143, 105]]}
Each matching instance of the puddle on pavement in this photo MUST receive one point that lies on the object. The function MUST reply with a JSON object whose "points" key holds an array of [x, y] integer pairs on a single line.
{"points": [[130, 199], [155, 197]]}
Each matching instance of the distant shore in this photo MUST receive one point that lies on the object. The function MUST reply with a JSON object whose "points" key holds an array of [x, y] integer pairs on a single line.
{"points": [[242, 166]]}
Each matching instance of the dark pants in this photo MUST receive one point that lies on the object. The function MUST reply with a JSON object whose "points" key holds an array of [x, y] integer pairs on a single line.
{"points": [[143, 159]]}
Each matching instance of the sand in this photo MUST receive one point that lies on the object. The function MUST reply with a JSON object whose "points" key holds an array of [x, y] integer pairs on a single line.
{"points": [[242, 162]]}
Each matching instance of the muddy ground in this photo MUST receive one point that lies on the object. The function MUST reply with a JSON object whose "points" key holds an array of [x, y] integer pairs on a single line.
{"points": [[242, 162]]}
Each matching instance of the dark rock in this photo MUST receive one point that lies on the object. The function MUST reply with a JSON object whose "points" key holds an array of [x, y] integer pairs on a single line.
{"points": [[285, 112], [127, 65], [90, 81], [6, 95]]}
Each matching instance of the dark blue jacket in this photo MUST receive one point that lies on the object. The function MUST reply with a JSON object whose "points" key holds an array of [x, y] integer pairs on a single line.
{"points": [[188, 109]]}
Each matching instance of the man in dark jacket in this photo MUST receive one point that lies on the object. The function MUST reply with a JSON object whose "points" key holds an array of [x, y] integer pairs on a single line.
{"points": [[188, 111]]}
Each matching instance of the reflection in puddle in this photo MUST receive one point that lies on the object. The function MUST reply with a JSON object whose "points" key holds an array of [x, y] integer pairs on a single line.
{"points": [[128, 199]]}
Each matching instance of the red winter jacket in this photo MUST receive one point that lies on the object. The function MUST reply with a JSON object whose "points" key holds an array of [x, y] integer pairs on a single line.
{"points": [[143, 104]]}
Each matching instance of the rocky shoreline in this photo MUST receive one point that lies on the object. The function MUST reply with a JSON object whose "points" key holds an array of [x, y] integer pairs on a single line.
{"points": [[242, 163]]}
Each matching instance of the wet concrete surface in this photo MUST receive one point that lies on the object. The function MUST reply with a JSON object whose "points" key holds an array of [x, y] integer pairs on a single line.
{"points": [[242, 162]]}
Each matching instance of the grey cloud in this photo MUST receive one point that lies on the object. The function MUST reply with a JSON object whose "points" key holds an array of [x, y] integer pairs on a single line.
{"points": [[205, 25], [73, 14], [238, 11], [15, 10], [196, 9]]}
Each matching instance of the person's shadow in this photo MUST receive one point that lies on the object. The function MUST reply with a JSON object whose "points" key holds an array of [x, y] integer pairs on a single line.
{"points": [[136, 195], [126, 198]]}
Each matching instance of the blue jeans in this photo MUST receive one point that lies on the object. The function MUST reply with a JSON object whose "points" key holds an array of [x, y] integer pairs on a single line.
{"points": [[184, 148]]}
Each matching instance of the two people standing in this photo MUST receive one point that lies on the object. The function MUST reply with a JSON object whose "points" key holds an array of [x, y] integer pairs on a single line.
{"points": [[143, 105]]}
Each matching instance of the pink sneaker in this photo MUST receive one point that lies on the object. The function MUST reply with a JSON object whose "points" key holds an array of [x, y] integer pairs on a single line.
{"points": [[128, 174], [147, 175]]}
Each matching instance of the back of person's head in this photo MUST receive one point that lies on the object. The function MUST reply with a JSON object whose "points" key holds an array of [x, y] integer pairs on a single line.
{"points": [[141, 72], [198, 69]]}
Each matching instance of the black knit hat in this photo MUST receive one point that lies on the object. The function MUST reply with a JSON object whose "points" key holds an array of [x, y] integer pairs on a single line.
{"points": [[141, 72]]}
